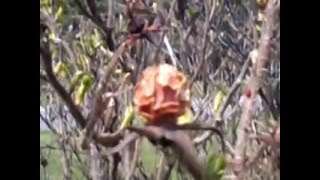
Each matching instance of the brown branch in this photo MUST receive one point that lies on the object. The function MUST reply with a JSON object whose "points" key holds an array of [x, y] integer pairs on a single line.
{"points": [[123, 144], [92, 6], [243, 137], [255, 159], [164, 33], [218, 117], [234, 88], [135, 159], [44, 78], [97, 20], [49, 125], [272, 139], [197, 127], [97, 169], [98, 102], [110, 13], [65, 161], [180, 143], [142, 171], [255, 83], [204, 42], [166, 168], [47, 63], [161, 165]]}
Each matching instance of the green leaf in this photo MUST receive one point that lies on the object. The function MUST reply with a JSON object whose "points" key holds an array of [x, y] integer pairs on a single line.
{"points": [[194, 13], [76, 78], [96, 38], [79, 95], [87, 82], [44, 3], [87, 63], [84, 62], [85, 86], [216, 166], [220, 165], [46, 6], [218, 101], [186, 118], [59, 13], [61, 70], [128, 117]]}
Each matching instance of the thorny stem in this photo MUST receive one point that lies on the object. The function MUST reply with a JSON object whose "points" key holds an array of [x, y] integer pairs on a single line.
{"points": [[257, 76]]}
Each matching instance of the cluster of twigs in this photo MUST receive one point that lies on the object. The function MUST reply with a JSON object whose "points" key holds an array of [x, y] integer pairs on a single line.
{"points": [[203, 45]]}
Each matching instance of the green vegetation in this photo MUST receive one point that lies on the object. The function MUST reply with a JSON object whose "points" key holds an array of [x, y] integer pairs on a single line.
{"points": [[88, 47], [54, 170]]}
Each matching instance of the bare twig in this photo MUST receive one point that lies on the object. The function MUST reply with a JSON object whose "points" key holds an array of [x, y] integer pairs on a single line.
{"points": [[97, 20], [48, 124], [234, 88], [97, 104], [243, 136], [204, 42], [167, 164], [255, 159], [198, 127], [135, 159], [163, 36], [123, 144], [160, 166], [97, 171], [255, 83], [272, 139], [62, 142], [47, 63], [180, 143], [110, 13], [43, 77], [231, 92]]}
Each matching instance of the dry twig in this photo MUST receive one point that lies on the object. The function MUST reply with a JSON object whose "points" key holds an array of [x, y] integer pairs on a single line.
{"points": [[255, 83]]}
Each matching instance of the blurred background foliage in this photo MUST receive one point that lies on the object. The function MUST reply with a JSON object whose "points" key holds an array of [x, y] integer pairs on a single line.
{"points": [[213, 40]]}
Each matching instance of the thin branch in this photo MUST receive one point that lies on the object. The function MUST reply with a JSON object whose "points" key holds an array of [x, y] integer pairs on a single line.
{"points": [[123, 144], [97, 171], [134, 162], [47, 63], [204, 42], [166, 169], [255, 83], [164, 33], [44, 78], [102, 85], [255, 159], [203, 137], [48, 124], [180, 143], [234, 88], [160, 166], [97, 20], [65, 160]]}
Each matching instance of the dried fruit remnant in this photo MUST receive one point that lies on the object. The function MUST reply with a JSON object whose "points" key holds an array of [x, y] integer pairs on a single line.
{"points": [[161, 94]]}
